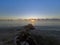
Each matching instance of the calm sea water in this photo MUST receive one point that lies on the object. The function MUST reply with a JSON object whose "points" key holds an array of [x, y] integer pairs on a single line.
{"points": [[36, 23], [48, 27], [49, 24]]}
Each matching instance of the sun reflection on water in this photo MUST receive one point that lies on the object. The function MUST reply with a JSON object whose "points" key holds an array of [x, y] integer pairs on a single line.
{"points": [[32, 21]]}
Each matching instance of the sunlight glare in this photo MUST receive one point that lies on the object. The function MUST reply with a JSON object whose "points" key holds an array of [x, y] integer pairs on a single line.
{"points": [[32, 21]]}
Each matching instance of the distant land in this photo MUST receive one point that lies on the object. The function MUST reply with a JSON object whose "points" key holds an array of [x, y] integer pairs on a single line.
{"points": [[25, 19]]}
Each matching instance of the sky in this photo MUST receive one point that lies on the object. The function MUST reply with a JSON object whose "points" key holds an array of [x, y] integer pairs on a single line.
{"points": [[15, 9]]}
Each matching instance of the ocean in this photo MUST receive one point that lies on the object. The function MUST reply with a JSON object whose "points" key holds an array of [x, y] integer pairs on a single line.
{"points": [[9, 29], [43, 25]]}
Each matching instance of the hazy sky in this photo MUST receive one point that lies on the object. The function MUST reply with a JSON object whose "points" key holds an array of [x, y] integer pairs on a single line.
{"points": [[29, 8]]}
